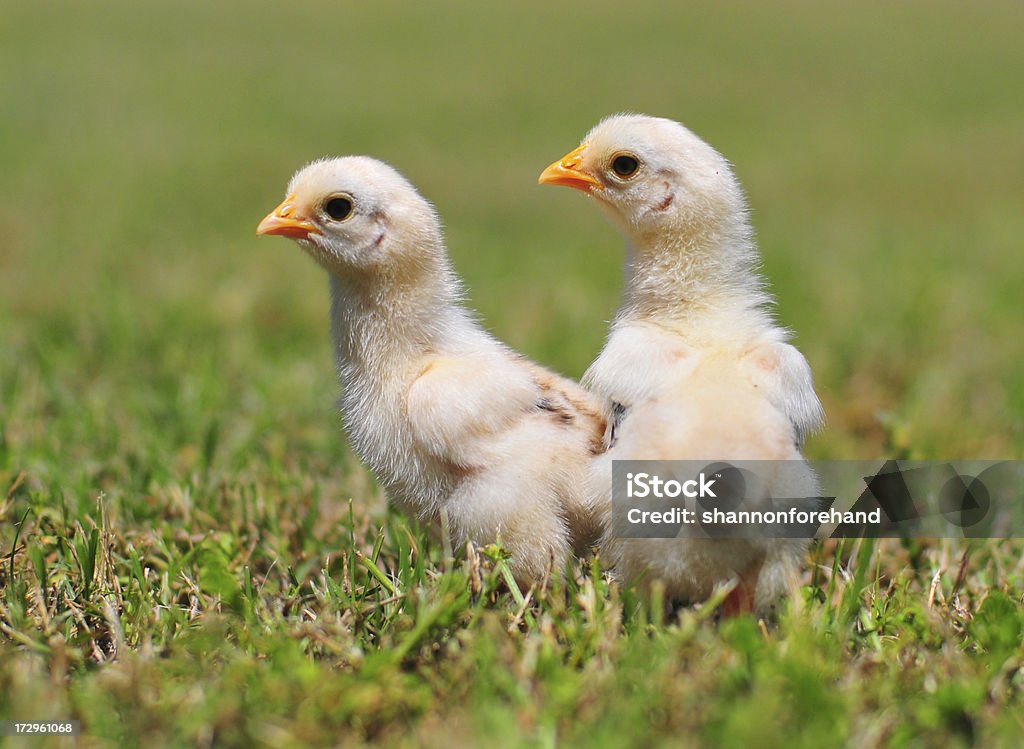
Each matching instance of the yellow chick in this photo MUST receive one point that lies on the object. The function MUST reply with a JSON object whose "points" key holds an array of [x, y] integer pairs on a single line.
{"points": [[449, 419], [695, 366]]}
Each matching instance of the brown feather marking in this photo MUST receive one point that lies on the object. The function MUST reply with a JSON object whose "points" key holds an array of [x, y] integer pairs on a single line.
{"points": [[570, 408]]}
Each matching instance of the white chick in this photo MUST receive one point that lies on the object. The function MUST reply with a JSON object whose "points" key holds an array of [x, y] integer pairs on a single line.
{"points": [[695, 367], [449, 419]]}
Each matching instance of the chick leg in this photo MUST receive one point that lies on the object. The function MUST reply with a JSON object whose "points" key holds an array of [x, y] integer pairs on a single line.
{"points": [[741, 599]]}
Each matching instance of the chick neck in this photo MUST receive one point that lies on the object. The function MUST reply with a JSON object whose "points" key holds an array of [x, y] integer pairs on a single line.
{"points": [[695, 279], [382, 321]]}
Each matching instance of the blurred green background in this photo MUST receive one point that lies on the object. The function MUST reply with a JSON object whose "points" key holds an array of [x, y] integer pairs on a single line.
{"points": [[882, 147]]}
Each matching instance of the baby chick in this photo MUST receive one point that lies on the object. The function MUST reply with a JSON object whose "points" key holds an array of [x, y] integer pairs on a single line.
{"points": [[449, 419], [695, 366]]}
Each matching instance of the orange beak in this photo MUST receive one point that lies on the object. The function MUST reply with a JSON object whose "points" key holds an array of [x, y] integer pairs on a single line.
{"points": [[284, 221], [569, 172]]}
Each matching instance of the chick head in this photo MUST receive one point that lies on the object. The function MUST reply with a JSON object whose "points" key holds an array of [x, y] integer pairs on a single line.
{"points": [[652, 176], [356, 215]]}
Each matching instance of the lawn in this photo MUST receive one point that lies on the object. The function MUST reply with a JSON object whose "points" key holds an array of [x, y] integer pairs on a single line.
{"points": [[190, 555]]}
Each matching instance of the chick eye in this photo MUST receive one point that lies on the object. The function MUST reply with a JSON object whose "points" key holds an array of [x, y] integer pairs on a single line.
{"points": [[339, 208], [625, 165]]}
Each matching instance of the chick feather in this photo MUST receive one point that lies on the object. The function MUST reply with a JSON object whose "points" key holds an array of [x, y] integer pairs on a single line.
{"points": [[449, 419]]}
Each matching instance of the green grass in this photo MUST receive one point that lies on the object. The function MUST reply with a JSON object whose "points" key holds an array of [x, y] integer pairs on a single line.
{"points": [[190, 555]]}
